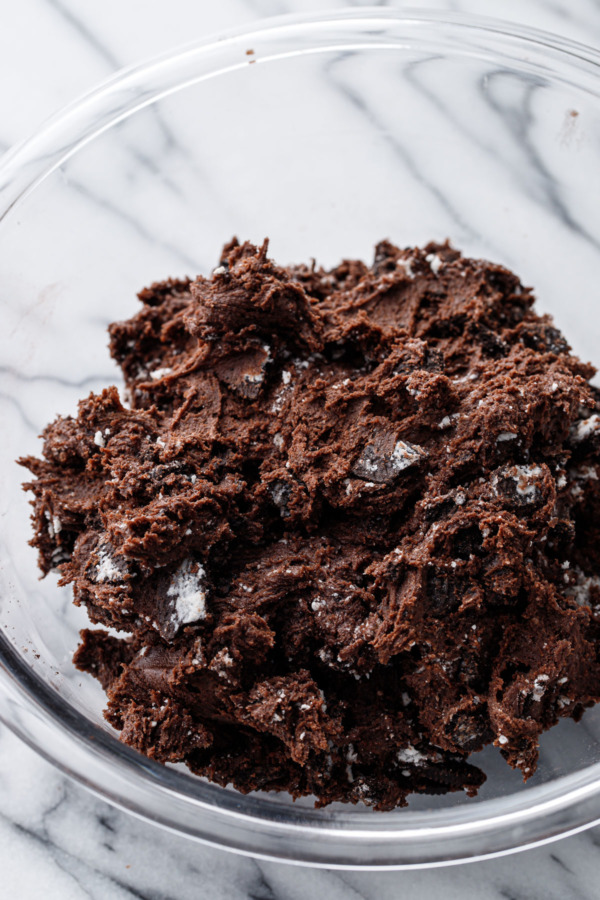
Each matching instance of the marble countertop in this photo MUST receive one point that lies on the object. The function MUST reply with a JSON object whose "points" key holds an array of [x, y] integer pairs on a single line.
{"points": [[56, 840]]}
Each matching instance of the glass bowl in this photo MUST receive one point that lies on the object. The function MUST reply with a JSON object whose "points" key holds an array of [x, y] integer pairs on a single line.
{"points": [[326, 135]]}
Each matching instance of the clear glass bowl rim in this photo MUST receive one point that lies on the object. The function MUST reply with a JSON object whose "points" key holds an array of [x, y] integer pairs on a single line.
{"points": [[255, 824]]}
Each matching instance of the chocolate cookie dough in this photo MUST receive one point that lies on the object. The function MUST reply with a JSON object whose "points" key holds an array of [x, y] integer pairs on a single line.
{"points": [[341, 528]]}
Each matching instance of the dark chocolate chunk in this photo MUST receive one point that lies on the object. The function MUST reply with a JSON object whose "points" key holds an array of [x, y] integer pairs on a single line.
{"points": [[347, 528]]}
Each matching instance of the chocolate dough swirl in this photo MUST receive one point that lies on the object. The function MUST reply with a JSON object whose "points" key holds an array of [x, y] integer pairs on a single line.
{"points": [[340, 528]]}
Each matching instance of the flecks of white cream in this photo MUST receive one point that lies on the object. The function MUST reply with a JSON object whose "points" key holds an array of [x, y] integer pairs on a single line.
{"points": [[189, 591]]}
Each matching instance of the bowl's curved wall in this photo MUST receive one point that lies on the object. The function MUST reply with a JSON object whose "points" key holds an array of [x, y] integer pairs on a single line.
{"points": [[327, 137]]}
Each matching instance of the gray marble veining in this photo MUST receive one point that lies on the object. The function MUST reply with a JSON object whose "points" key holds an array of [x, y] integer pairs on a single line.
{"points": [[56, 840]]}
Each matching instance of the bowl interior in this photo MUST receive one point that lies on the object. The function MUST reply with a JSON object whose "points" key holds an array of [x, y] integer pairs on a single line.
{"points": [[325, 146]]}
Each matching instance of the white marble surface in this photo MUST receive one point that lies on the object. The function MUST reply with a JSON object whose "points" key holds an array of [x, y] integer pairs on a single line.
{"points": [[56, 840]]}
